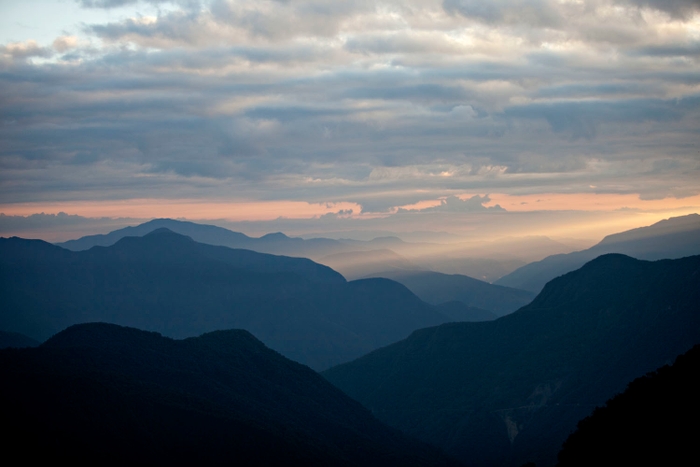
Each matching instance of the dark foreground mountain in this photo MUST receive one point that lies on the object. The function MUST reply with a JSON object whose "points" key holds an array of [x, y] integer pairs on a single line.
{"points": [[671, 238], [16, 340], [169, 283], [509, 391], [651, 423], [106, 394], [436, 288]]}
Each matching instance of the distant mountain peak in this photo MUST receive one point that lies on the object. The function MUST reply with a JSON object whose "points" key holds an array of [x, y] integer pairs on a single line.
{"points": [[275, 236], [676, 237]]}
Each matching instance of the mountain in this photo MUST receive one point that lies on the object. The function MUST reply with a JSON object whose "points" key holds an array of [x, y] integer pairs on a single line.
{"points": [[648, 424], [437, 288], [458, 311], [16, 340], [485, 260], [358, 264], [671, 238], [273, 243], [171, 284], [509, 391], [485, 269], [103, 393]]}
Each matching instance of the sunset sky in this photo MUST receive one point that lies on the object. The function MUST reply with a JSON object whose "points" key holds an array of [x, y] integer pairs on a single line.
{"points": [[575, 118]]}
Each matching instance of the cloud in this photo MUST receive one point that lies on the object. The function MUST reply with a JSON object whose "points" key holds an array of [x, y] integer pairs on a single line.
{"points": [[24, 50], [539, 13], [456, 204], [678, 9], [384, 105]]}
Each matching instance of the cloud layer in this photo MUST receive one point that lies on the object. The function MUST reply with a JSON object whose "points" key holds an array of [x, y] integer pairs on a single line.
{"points": [[383, 104]]}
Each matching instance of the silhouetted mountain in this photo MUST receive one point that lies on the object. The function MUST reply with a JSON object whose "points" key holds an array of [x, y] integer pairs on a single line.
{"points": [[436, 288], [651, 423], [106, 394], [671, 238], [509, 391], [16, 340], [169, 283], [273, 243]]}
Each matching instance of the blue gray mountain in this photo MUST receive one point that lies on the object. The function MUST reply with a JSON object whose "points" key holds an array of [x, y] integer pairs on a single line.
{"points": [[101, 393], [169, 283], [671, 238], [509, 391]]}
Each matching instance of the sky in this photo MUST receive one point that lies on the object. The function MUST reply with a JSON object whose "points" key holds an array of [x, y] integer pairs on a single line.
{"points": [[504, 117]]}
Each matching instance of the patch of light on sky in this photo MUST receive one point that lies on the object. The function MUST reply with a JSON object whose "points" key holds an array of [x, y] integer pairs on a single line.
{"points": [[45, 20]]}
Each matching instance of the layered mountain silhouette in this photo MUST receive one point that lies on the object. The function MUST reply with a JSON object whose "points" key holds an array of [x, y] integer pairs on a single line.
{"points": [[671, 238], [356, 258], [509, 391], [437, 288], [106, 394], [272, 243], [169, 283], [651, 423]]}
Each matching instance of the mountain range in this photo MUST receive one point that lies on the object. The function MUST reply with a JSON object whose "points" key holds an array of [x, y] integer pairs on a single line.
{"points": [[509, 391], [670, 238], [169, 283], [101, 393], [437, 288], [358, 258]]}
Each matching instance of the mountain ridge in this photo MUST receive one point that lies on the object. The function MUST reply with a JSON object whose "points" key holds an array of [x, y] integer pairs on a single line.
{"points": [[507, 392], [671, 238], [169, 283], [102, 391]]}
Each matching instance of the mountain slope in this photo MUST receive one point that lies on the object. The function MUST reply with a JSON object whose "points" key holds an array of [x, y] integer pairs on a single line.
{"points": [[436, 288], [509, 391], [106, 393], [358, 264], [169, 283], [671, 238], [651, 423], [273, 243], [16, 340]]}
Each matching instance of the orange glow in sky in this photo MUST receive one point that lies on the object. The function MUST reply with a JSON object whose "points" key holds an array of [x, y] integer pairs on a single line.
{"points": [[588, 202], [189, 209], [268, 210]]}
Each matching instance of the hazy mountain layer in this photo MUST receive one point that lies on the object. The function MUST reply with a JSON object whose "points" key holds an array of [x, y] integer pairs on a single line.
{"points": [[509, 391], [651, 423], [273, 243], [359, 264], [168, 283], [671, 238], [105, 394], [437, 288]]}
